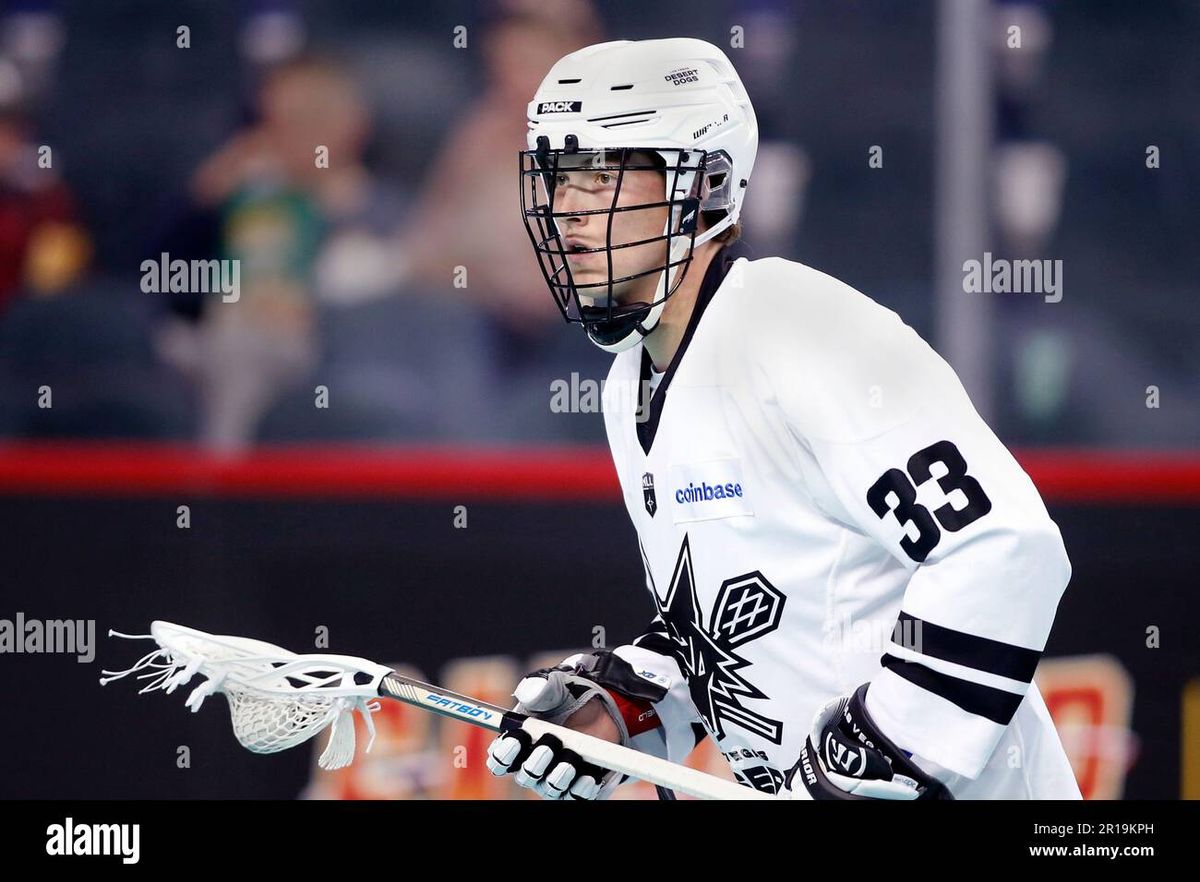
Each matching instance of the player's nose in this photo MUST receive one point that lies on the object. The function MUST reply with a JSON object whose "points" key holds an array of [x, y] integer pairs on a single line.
{"points": [[568, 203]]}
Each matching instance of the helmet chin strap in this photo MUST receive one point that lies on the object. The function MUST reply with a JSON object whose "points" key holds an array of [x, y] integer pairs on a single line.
{"points": [[638, 330], [649, 321]]}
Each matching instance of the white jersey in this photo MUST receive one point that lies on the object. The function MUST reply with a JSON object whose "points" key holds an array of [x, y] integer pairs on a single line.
{"points": [[819, 506]]}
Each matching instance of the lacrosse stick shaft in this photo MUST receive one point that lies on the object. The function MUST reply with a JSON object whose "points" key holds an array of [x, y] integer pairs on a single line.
{"points": [[645, 767]]}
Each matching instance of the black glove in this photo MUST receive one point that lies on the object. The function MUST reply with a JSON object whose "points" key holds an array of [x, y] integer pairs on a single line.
{"points": [[847, 757]]}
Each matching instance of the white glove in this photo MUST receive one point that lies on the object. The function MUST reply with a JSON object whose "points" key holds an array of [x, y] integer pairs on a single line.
{"points": [[556, 695]]}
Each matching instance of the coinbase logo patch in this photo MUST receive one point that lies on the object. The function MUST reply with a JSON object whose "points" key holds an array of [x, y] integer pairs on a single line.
{"points": [[705, 491]]}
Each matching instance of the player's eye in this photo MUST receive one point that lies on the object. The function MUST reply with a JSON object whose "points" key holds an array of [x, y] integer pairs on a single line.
{"points": [[604, 178], [560, 179]]}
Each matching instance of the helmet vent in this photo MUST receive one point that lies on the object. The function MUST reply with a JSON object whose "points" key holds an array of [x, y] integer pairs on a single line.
{"points": [[642, 116], [621, 88], [568, 82], [642, 113]]}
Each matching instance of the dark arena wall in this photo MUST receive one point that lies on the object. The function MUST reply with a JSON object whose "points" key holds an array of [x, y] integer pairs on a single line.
{"points": [[467, 568]]}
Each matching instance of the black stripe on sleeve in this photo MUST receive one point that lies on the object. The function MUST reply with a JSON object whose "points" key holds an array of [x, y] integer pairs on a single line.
{"points": [[980, 653], [996, 705]]}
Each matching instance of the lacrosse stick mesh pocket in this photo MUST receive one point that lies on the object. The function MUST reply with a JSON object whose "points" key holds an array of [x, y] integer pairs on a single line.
{"points": [[266, 723]]}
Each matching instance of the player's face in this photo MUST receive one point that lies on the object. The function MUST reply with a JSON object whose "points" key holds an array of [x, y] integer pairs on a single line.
{"points": [[589, 183]]}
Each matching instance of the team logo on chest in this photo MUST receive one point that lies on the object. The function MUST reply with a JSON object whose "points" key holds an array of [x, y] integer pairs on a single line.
{"points": [[746, 608], [648, 494]]}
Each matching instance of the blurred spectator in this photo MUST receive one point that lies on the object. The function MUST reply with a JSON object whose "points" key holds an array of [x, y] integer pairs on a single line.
{"points": [[75, 360], [468, 214], [1029, 172], [292, 201], [43, 247]]}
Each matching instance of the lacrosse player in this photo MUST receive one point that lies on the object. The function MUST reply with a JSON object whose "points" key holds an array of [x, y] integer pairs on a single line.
{"points": [[853, 579]]}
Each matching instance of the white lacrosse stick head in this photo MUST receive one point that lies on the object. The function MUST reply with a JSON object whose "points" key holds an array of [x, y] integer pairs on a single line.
{"points": [[277, 699]]}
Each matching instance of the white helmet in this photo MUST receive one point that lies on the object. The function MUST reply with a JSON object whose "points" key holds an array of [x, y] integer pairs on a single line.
{"points": [[678, 98]]}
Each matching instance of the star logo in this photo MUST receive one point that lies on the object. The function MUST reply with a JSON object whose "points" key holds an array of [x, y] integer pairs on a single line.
{"points": [[746, 608]]}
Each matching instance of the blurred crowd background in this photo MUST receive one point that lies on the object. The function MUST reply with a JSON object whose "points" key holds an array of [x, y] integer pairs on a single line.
{"points": [[401, 279]]}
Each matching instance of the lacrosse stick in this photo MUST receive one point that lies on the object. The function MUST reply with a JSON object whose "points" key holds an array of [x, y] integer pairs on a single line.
{"points": [[278, 699]]}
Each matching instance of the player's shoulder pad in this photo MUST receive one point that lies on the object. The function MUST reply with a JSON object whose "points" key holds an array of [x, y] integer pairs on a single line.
{"points": [[843, 367]]}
